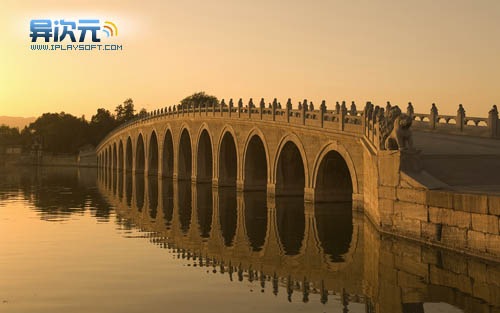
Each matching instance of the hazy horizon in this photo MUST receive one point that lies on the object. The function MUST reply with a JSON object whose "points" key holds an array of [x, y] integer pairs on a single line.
{"points": [[444, 52]]}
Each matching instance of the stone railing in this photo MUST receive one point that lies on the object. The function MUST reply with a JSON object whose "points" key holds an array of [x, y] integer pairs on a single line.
{"points": [[379, 122], [460, 123], [340, 119], [373, 122]]}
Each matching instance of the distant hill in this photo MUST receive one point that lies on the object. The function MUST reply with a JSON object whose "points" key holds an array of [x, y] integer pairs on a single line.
{"points": [[14, 121]]}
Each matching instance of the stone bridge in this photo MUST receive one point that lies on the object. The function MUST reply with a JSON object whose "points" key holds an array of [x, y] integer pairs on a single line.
{"points": [[328, 156]]}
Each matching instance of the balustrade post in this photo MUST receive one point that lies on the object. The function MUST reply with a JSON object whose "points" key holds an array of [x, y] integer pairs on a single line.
{"points": [[274, 105], [213, 108], [460, 117], [493, 122], [288, 108], [250, 105], [322, 111], [434, 116], [240, 105], [262, 104], [342, 115], [222, 105], [304, 109]]}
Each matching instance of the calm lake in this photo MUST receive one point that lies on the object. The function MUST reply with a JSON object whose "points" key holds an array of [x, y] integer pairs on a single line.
{"points": [[79, 240]]}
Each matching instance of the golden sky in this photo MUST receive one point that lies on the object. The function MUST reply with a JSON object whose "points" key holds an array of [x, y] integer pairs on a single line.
{"points": [[443, 51]]}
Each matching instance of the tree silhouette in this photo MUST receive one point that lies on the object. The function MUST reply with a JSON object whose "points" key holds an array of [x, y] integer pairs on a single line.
{"points": [[199, 99], [126, 111]]}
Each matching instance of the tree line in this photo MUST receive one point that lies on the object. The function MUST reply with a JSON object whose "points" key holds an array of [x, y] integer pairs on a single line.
{"points": [[60, 133], [65, 133]]}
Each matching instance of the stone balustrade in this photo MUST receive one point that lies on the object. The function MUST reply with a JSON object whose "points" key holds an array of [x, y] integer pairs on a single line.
{"points": [[340, 118]]}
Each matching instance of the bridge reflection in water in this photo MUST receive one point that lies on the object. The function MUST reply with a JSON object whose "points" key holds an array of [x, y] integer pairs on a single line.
{"points": [[327, 249]]}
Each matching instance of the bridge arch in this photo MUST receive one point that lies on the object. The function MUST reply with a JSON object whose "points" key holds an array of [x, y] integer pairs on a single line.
{"points": [[185, 156], [291, 174], [334, 175], [115, 157], [153, 154], [168, 154], [140, 155], [255, 161], [129, 156], [228, 157], [204, 155]]}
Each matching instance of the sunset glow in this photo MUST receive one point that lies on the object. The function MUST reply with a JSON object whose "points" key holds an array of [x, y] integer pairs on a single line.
{"points": [[445, 52]]}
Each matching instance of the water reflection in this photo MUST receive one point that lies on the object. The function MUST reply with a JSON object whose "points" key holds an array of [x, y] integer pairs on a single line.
{"points": [[314, 253], [128, 188], [290, 219], [256, 218], [227, 214], [184, 205], [140, 188], [153, 196], [120, 185], [204, 205], [167, 201], [334, 227]]}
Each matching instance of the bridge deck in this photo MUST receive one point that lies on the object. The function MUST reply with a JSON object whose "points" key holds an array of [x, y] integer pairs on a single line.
{"points": [[464, 163]]}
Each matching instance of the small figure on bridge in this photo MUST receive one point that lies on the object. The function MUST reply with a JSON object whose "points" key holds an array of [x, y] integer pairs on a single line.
{"points": [[409, 110], [461, 111], [354, 110], [494, 110], [322, 107]]}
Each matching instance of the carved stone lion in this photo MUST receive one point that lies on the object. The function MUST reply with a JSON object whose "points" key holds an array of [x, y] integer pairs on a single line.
{"points": [[400, 136]]}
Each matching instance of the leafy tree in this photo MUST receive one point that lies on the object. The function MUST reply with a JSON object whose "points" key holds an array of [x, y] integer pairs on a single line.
{"points": [[60, 132], [199, 99], [101, 124], [126, 111], [143, 112], [10, 135]]}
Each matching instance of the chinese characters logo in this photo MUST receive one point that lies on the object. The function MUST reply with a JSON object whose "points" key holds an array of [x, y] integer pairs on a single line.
{"points": [[59, 30], [79, 30]]}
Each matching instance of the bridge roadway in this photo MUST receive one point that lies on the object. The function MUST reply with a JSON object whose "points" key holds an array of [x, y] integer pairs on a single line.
{"points": [[303, 248], [331, 156]]}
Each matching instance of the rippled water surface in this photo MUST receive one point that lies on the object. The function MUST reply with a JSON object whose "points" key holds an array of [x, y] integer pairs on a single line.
{"points": [[82, 241]]}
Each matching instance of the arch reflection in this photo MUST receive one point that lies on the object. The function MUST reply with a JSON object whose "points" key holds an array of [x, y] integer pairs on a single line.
{"points": [[153, 196], [255, 218], [228, 214], [139, 191], [167, 201], [128, 188], [204, 208], [334, 227], [184, 205], [290, 220]]}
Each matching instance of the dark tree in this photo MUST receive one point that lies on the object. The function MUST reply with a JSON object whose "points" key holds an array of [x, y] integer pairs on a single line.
{"points": [[60, 132], [10, 136], [126, 111], [199, 99], [100, 125]]}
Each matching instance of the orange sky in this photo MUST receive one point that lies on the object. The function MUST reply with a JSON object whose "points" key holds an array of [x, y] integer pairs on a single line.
{"points": [[446, 52]]}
